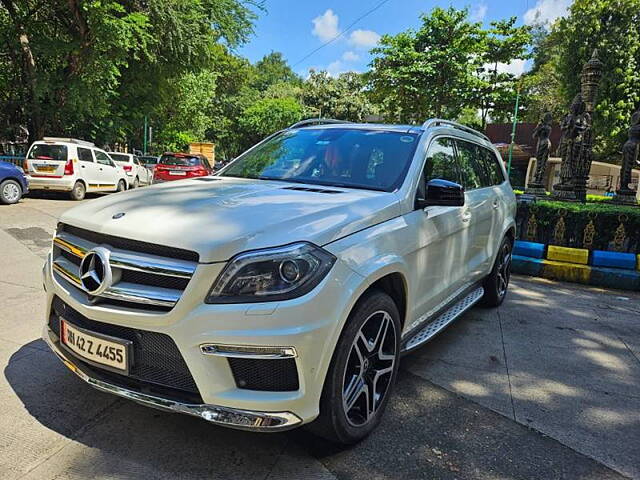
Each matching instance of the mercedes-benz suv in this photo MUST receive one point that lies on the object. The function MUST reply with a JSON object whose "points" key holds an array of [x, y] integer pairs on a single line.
{"points": [[283, 290]]}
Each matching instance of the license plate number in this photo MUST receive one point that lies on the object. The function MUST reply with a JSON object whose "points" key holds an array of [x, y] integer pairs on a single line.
{"points": [[177, 172], [98, 349], [45, 168]]}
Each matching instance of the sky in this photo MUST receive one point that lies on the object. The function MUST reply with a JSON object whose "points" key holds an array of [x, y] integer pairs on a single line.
{"points": [[298, 27]]}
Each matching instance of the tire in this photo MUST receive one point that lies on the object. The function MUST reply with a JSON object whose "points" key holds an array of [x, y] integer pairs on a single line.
{"points": [[371, 342], [78, 191], [10, 192], [496, 285], [136, 183], [122, 186]]}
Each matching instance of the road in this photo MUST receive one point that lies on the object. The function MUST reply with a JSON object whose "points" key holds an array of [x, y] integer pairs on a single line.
{"points": [[545, 387]]}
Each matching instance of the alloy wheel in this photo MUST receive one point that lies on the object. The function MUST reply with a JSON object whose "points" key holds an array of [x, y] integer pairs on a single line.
{"points": [[504, 270], [11, 192], [369, 369]]}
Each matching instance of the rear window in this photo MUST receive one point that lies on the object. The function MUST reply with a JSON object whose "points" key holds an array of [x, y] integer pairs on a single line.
{"points": [[149, 160], [118, 157], [43, 151], [185, 160]]}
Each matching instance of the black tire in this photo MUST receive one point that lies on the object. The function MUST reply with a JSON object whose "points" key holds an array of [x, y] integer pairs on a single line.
{"points": [[122, 186], [10, 192], [136, 183], [78, 191], [337, 422], [496, 285]]}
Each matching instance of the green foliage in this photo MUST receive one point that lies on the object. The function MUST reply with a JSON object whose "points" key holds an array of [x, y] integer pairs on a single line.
{"points": [[269, 115], [607, 219], [343, 97], [273, 69]]}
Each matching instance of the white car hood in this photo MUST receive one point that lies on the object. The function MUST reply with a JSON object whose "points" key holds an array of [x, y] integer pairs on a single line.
{"points": [[221, 218]]}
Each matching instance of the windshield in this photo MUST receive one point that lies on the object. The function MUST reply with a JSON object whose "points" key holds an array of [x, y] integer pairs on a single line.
{"points": [[179, 160], [149, 160], [120, 158], [358, 158], [42, 151]]}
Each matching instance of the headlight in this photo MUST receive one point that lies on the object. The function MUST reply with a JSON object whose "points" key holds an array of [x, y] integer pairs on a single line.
{"points": [[271, 274]]}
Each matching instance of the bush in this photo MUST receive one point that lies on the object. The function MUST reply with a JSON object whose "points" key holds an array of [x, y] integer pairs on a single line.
{"points": [[596, 226]]}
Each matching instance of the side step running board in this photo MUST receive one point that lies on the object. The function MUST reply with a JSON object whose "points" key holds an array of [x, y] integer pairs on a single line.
{"points": [[444, 319]]}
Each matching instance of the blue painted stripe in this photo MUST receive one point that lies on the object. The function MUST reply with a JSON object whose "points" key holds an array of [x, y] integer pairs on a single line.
{"points": [[613, 260], [529, 249]]}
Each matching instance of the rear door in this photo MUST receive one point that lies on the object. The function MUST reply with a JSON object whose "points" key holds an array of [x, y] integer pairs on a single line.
{"points": [[47, 159], [478, 215], [500, 196], [88, 168], [108, 172]]}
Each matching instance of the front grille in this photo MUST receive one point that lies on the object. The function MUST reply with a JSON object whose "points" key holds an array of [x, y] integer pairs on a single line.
{"points": [[132, 245], [156, 358], [141, 278], [272, 375]]}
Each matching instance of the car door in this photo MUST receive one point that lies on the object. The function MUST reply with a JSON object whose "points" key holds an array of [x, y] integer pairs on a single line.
{"points": [[478, 215], [107, 171], [440, 235], [88, 168]]}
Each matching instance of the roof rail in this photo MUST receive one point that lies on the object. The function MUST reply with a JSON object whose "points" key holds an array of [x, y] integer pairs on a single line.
{"points": [[437, 122], [316, 121], [68, 140]]}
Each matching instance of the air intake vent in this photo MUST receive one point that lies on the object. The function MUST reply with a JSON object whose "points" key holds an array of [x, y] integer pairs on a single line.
{"points": [[311, 189], [207, 179]]}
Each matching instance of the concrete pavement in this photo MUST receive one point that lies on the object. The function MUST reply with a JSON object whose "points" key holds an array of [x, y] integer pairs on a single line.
{"points": [[545, 387]]}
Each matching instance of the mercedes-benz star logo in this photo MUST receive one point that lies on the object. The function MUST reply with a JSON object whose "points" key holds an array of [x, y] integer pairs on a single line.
{"points": [[95, 271], [118, 215]]}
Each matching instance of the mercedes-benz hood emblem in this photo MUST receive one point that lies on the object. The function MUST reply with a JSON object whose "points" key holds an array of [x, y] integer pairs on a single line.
{"points": [[95, 271]]}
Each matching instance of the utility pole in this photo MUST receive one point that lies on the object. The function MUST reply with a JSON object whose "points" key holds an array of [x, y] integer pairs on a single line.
{"points": [[513, 130], [144, 147]]}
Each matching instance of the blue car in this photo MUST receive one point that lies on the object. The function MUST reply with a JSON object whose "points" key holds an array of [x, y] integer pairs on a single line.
{"points": [[13, 183]]}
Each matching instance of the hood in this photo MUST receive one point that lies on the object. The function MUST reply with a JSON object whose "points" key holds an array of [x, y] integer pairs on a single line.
{"points": [[221, 217]]}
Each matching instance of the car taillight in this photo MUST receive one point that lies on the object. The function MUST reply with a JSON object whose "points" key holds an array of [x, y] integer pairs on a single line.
{"points": [[127, 168], [68, 167], [25, 165]]}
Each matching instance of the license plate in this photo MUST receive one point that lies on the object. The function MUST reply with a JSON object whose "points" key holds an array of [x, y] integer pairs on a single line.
{"points": [[45, 168], [177, 172], [102, 350]]}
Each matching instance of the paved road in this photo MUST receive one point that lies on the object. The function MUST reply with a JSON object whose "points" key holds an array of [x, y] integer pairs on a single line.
{"points": [[545, 387]]}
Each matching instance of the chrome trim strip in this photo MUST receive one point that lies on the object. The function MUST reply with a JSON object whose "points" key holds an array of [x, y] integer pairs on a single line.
{"points": [[68, 270], [251, 352], [224, 416], [147, 295]]}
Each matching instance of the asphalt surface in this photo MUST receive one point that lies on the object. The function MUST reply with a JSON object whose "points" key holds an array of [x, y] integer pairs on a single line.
{"points": [[545, 387]]}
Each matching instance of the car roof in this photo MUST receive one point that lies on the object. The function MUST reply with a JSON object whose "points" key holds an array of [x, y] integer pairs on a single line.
{"points": [[365, 126]]}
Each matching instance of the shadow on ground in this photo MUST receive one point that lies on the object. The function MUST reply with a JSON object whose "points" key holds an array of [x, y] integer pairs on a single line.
{"points": [[427, 432]]}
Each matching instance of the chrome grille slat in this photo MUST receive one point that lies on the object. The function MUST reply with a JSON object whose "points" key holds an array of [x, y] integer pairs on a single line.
{"points": [[120, 260]]}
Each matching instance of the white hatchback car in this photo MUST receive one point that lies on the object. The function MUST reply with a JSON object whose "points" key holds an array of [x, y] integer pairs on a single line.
{"points": [[74, 166], [283, 290], [137, 173]]}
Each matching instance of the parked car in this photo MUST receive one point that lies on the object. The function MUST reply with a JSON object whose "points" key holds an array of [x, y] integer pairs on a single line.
{"points": [[177, 166], [13, 183], [137, 173], [149, 161], [283, 290], [74, 166]]}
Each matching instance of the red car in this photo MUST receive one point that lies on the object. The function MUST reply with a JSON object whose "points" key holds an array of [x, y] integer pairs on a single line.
{"points": [[176, 166]]}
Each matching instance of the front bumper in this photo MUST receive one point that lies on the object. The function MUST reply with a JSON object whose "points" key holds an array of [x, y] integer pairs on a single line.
{"points": [[228, 417]]}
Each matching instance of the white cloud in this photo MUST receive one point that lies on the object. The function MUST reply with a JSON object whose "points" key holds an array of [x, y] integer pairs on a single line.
{"points": [[515, 67], [350, 56], [364, 38], [336, 68], [325, 26], [479, 12], [547, 11]]}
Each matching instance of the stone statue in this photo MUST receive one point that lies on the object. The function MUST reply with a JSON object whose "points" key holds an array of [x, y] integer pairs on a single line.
{"points": [[629, 159], [573, 126], [583, 159], [543, 149]]}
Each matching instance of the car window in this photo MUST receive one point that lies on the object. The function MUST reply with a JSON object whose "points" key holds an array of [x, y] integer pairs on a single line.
{"points": [[119, 157], [103, 158], [472, 166], [492, 166], [441, 161], [43, 151], [85, 155]]}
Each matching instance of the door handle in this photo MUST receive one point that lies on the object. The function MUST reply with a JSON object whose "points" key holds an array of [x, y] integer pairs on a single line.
{"points": [[466, 216], [100, 168], [496, 204], [82, 166]]}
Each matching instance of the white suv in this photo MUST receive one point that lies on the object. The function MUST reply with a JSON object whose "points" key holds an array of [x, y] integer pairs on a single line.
{"points": [[137, 173], [283, 290], [74, 166]]}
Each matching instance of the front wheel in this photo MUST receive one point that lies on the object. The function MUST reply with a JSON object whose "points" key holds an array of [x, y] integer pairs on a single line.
{"points": [[497, 283], [10, 192], [362, 372]]}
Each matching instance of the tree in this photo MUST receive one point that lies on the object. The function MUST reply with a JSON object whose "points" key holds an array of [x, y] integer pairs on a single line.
{"points": [[343, 98], [431, 72], [269, 115], [273, 69], [613, 27]]}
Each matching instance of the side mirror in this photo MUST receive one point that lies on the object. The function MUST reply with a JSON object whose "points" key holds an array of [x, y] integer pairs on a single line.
{"points": [[442, 193]]}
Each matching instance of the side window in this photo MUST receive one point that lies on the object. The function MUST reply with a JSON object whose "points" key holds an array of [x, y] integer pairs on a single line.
{"points": [[136, 160], [441, 161], [471, 167], [492, 166], [85, 155], [103, 158]]}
